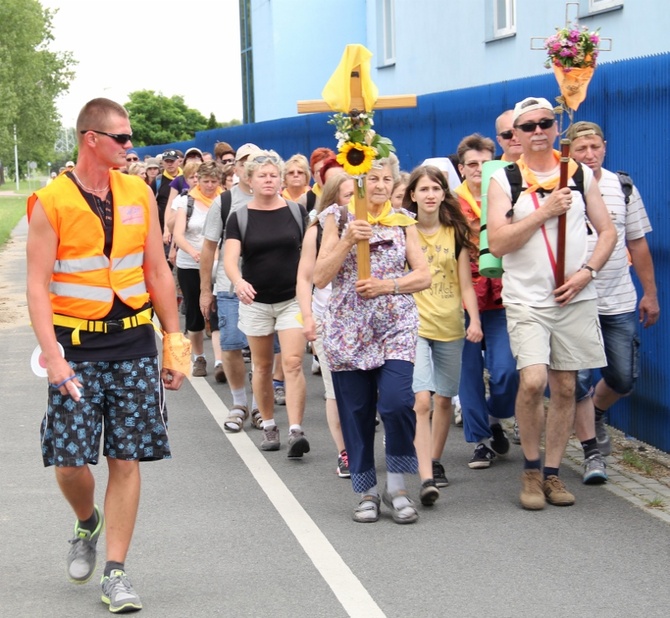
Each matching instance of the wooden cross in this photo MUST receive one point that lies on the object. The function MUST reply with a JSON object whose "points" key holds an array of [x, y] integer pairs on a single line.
{"points": [[358, 104]]}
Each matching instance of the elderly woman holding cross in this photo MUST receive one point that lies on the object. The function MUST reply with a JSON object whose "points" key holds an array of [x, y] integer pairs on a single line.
{"points": [[370, 333]]}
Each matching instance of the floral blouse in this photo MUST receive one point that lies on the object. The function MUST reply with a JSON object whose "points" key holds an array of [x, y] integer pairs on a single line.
{"points": [[363, 333]]}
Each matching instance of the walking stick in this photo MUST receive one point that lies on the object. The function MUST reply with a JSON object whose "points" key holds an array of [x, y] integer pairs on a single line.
{"points": [[560, 246]]}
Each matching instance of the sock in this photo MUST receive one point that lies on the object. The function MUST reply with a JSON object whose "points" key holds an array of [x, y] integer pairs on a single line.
{"points": [[373, 491], [395, 481], [218, 363], [90, 523], [531, 464], [268, 424], [599, 413], [239, 396], [254, 403], [590, 448], [297, 428], [197, 356], [547, 472], [110, 566], [277, 383]]}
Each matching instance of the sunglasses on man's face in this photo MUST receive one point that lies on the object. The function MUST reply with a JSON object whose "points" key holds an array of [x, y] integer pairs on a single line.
{"points": [[119, 138], [506, 134], [131, 159], [529, 127]]}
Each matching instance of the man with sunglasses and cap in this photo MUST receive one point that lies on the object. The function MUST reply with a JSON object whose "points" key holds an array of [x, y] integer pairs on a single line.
{"points": [[617, 300], [96, 275], [506, 138], [554, 330], [171, 159]]}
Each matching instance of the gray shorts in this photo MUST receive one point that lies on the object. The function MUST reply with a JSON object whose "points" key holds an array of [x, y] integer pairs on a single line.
{"points": [[124, 398], [563, 338]]}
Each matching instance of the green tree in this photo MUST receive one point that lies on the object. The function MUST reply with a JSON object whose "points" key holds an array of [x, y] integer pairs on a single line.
{"points": [[31, 78], [157, 119]]}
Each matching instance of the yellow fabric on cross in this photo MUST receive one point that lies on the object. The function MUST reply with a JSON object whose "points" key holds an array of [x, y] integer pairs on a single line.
{"points": [[463, 191], [387, 216], [337, 92], [547, 185]]}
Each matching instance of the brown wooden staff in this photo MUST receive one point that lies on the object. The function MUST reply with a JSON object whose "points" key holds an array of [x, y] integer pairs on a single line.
{"points": [[560, 246]]}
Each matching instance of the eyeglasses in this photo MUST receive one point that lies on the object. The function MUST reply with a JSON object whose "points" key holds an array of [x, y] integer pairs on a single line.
{"points": [[119, 138], [506, 134], [266, 159], [295, 173], [131, 159], [529, 127], [473, 165]]}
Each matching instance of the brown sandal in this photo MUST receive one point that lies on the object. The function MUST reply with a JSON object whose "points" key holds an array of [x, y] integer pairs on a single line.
{"points": [[236, 417], [256, 419]]}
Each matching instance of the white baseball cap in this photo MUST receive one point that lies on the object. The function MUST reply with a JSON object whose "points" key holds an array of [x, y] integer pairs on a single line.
{"points": [[530, 104]]}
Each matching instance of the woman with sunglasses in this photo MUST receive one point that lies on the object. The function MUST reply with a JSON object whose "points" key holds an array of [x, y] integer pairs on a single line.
{"points": [[188, 235], [269, 245], [444, 235], [370, 335]]}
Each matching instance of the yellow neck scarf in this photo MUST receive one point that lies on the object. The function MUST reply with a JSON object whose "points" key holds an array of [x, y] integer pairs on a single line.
{"points": [[549, 184], [463, 191], [387, 216], [198, 195], [317, 190], [168, 175]]}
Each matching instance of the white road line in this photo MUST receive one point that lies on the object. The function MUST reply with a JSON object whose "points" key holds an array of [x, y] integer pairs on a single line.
{"points": [[348, 589]]}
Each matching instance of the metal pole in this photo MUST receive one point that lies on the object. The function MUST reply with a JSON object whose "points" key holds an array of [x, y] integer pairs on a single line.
{"points": [[16, 159]]}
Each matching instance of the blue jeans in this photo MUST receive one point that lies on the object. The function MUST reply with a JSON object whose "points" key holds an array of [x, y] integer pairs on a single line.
{"points": [[230, 336], [503, 377], [622, 349]]}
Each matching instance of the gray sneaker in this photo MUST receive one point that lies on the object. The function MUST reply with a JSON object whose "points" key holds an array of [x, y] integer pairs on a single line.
{"points": [[118, 593], [602, 437], [594, 470], [280, 395], [199, 367], [270, 439], [516, 438], [297, 444], [81, 558]]}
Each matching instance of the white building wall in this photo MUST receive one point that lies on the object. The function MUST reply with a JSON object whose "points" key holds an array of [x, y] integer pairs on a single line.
{"points": [[440, 44]]}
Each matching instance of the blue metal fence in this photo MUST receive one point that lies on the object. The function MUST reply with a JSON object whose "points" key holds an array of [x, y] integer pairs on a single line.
{"points": [[629, 99]]}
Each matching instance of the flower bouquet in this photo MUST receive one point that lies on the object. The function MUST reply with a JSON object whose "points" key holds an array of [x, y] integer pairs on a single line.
{"points": [[572, 53], [359, 144]]}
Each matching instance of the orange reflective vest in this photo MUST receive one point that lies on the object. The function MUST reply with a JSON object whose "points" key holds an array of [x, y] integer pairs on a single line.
{"points": [[85, 280]]}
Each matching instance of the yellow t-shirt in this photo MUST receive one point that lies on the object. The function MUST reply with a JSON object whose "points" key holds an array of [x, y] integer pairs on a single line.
{"points": [[440, 306]]}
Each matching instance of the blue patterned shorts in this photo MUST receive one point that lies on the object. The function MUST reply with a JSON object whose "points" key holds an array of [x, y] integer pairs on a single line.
{"points": [[125, 396]]}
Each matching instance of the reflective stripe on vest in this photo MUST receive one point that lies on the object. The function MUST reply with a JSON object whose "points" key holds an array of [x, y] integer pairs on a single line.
{"points": [[80, 265], [132, 290], [134, 260], [85, 292]]}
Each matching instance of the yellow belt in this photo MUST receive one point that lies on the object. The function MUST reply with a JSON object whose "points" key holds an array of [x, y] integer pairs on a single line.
{"points": [[102, 326]]}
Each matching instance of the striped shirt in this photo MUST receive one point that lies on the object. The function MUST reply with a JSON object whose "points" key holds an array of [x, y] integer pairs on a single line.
{"points": [[616, 292]]}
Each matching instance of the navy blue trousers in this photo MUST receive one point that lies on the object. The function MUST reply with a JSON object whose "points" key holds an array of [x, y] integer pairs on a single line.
{"points": [[360, 395]]}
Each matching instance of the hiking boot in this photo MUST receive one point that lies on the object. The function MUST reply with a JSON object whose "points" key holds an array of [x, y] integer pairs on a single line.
{"points": [[429, 492], [81, 558], [499, 441], [602, 437], [516, 438], [343, 465], [270, 439], [594, 470], [199, 367], [280, 395], [118, 593], [219, 374], [482, 457], [297, 444], [532, 495], [439, 476], [556, 492]]}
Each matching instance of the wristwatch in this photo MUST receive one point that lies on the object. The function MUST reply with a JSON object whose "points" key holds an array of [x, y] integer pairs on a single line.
{"points": [[593, 271]]}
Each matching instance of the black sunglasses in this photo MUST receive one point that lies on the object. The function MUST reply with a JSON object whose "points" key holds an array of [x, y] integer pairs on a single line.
{"points": [[172, 154], [119, 138], [529, 127], [506, 134], [131, 159]]}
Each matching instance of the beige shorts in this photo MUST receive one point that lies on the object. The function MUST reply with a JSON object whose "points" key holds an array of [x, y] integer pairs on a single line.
{"points": [[261, 319], [563, 338], [325, 372]]}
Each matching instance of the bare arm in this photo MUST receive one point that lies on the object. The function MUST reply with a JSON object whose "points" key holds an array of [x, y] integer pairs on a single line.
{"points": [[469, 296], [303, 286], [180, 238], [503, 235], [206, 263], [170, 215], [232, 250], [41, 248], [644, 268]]}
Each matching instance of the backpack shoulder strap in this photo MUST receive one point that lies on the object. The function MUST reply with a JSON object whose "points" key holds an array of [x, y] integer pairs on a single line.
{"points": [[190, 203], [310, 201], [297, 215], [626, 185], [242, 220], [226, 203], [515, 180], [578, 179]]}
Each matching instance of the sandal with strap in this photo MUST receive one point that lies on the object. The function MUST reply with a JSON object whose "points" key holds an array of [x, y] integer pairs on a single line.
{"points": [[406, 514], [236, 417], [256, 419], [367, 510]]}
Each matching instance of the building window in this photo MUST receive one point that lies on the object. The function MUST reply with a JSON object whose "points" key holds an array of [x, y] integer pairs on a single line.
{"points": [[598, 6], [386, 32], [504, 18]]}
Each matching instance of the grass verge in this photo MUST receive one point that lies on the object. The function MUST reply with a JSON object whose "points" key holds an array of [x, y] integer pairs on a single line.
{"points": [[11, 210]]}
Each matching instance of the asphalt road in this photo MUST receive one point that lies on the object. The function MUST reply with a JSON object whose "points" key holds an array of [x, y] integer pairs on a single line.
{"points": [[227, 530]]}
